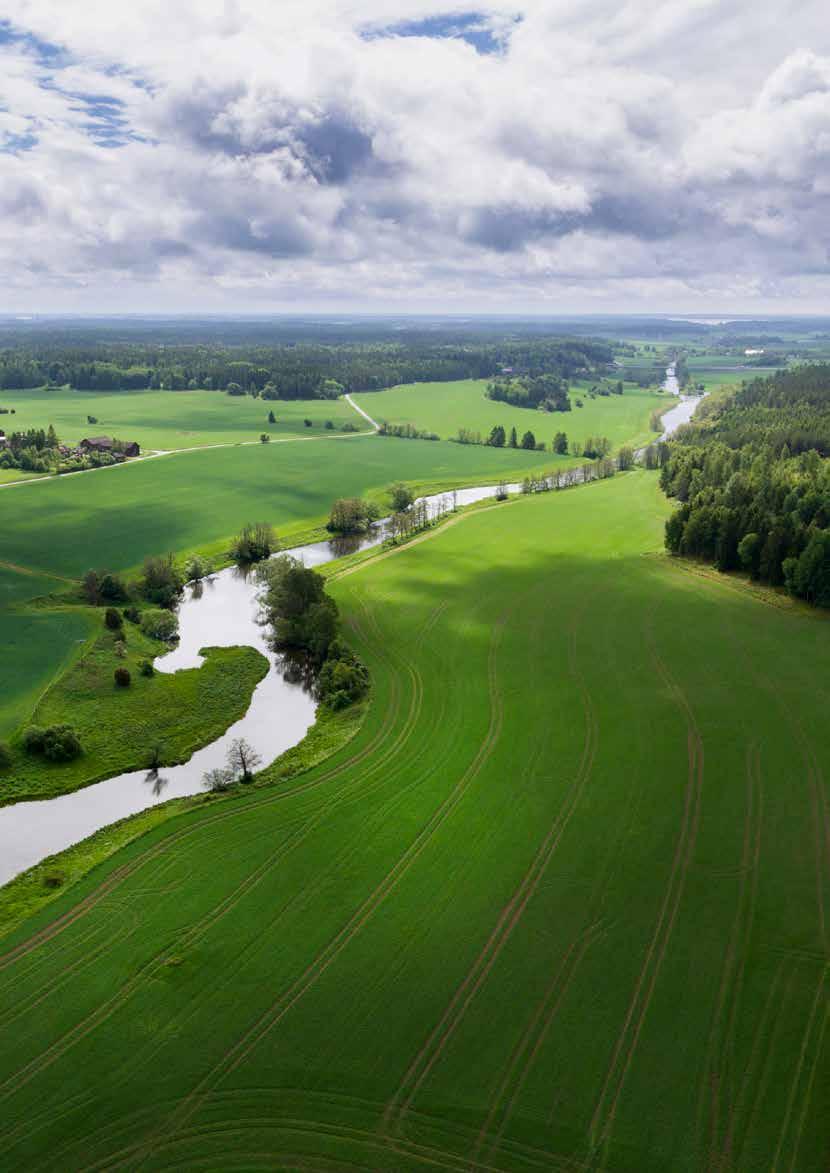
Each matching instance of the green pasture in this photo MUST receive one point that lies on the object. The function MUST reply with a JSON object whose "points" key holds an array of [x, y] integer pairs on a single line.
{"points": [[561, 904], [116, 516], [35, 645], [169, 419], [119, 727], [446, 407]]}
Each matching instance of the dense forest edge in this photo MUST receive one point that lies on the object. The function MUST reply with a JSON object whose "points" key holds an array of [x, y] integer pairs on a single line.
{"points": [[752, 478]]}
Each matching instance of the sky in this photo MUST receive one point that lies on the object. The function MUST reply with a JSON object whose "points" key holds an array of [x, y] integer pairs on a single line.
{"points": [[562, 156]]}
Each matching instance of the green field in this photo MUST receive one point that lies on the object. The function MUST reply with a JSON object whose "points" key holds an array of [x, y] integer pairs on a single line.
{"points": [[446, 407], [114, 517], [562, 904], [169, 419], [118, 727]]}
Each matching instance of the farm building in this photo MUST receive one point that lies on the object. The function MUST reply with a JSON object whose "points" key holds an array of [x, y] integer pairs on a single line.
{"points": [[108, 444]]}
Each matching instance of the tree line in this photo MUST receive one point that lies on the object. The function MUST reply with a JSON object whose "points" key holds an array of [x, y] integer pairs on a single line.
{"points": [[752, 482], [288, 370]]}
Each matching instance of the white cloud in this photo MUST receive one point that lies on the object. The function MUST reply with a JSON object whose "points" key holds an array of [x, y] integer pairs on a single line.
{"points": [[246, 153]]}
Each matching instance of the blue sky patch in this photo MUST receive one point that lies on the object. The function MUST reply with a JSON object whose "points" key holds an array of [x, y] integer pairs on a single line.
{"points": [[472, 27]]}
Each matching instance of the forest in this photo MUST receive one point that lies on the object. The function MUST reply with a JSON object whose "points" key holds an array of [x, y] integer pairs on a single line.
{"points": [[282, 368], [752, 478]]}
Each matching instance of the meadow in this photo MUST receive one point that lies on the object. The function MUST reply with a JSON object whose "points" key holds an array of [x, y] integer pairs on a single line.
{"points": [[571, 915], [116, 516], [168, 420], [446, 407]]}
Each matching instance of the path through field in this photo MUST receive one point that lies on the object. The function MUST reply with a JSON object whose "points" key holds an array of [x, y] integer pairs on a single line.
{"points": [[561, 905]]}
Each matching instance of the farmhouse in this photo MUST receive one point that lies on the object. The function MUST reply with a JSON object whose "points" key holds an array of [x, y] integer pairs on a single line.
{"points": [[108, 444]]}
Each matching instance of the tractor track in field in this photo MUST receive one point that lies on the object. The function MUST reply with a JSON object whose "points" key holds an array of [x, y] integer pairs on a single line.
{"points": [[115, 878], [528, 1047], [433, 1047], [196, 931], [719, 1059], [796, 1079], [289, 997], [622, 1056], [451, 1129], [525, 1053]]}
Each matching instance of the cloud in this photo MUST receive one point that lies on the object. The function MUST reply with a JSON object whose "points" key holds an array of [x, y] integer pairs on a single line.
{"points": [[380, 152]]}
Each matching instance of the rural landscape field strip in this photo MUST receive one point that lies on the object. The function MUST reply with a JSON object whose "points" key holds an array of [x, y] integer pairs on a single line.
{"points": [[448, 887]]}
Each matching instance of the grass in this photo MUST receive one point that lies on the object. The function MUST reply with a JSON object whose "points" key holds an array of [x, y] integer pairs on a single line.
{"points": [[37, 645], [446, 407], [561, 902], [115, 517], [117, 726], [169, 419]]}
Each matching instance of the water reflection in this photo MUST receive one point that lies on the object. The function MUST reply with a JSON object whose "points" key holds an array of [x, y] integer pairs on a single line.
{"points": [[156, 782]]}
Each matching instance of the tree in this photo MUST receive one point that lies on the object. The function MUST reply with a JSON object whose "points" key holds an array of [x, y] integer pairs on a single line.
{"points": [[308, 423], [217, 780], [497, 437], [625, 459], [749, 552], [256, 542], [242, 759], [529, 441], [264, 438], [161, 582], [513, 443], [234, 389], [112, 619], [402, 497], [159, 624], [57, 743], [352, 515], [560, 444], [122, 677], [272, 419], [197, 568]]}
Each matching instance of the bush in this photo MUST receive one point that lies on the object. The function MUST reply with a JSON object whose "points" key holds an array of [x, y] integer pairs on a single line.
{"points": [[256, 542], [198, 568], [122, 677], [343, 679], [350, 427], [112, 619], [309, 423], [132, 613], [328, 425], [159, 624], [161, 582], [57, 743], [352, 515], [146, 668], [5, 756]]}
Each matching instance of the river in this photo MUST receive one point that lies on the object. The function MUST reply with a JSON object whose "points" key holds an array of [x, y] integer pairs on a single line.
{"points": [[222, 611]]}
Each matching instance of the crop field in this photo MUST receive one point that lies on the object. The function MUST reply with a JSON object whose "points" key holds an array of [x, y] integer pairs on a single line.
{"points": [[169, 419], [116, 516], [570, 915], [39, 643], [446, 407]]}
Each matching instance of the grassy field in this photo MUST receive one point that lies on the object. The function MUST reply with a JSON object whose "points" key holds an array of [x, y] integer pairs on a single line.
{"points": [[571, 915], [446, 407], [118, 727], [115, 517], [40, 644], [168, 419]]}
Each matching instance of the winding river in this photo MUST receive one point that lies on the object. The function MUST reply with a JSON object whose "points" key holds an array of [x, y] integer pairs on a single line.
{"points": [[222, 611]]}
